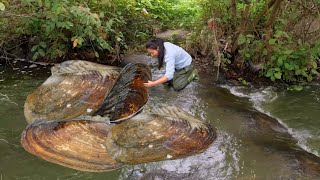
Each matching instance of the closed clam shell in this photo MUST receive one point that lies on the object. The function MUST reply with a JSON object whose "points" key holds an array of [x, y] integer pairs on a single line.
{"points": [[75, 88], [76, 144], [169, 133]]}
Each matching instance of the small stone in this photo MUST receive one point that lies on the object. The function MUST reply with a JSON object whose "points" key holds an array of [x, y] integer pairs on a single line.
{"points": [[150, 146], [89, 110], [68, 105], [33, 66], [169, 156]]}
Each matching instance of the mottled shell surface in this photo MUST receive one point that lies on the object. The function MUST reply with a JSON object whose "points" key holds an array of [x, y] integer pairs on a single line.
{"points": [[75, 144], [169, 133], [75, 88], [128, 95]]}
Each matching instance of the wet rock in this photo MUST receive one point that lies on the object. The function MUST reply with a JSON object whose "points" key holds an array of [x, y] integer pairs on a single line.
{"points": [[33, 66], [255, 67], [179, 35]]}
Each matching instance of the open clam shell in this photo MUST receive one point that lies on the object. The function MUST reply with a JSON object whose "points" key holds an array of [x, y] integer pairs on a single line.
{"points": [[169, 133], [75, 88], [128, 95], [78, 88], [75, 144]]}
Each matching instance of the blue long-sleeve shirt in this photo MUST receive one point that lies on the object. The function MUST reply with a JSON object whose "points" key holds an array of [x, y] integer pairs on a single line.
{"points": [[175, 58]]}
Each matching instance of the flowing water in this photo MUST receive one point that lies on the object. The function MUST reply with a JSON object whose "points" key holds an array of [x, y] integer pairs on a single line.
{"points": [[265, 133]]}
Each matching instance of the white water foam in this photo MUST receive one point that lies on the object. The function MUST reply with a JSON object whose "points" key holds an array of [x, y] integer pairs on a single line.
{"points": [[259, 96]]}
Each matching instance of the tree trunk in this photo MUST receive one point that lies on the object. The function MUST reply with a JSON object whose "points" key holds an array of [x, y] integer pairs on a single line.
{"points": [[263, 12], [234, 13]]}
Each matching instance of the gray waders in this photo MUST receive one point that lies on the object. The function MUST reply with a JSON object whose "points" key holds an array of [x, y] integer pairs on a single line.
{"points": [[184, 76]]}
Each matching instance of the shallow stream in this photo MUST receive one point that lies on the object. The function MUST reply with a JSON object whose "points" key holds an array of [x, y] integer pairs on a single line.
{"points": [[265, 133]]}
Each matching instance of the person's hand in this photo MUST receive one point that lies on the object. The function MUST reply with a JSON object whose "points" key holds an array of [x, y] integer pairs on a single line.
{"points": [[149, 84]]}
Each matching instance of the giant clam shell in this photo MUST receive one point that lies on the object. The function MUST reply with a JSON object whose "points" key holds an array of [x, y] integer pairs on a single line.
{"points": [[69, 114], [75, 144], [75, 88], [78, 88], [168, 133], [128, 95]]}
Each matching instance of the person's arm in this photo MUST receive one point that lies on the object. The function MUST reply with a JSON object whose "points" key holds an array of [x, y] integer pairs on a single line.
{"points": [[162, 80], [168, 76]]}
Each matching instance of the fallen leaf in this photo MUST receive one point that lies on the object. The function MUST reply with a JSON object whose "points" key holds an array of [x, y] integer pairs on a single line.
{"points": [[75, 42], [104, 36]]}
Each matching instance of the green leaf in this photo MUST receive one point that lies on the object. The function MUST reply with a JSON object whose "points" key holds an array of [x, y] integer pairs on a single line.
{"points": [[272, 78], [35, 56], [34, 48], [47, 3], [314, 65], [42, 53], [96, 54], [2, 7], [272, 41], [298, 88], [269, 73], [43, 44], [309, 78], [265, 52], [250, 36], [40, 3], [288, 66], [304, 74], [80, 40], [242, 39], [314, 71], [298, 72], [280, 62], [278, 75], [288, 52]]}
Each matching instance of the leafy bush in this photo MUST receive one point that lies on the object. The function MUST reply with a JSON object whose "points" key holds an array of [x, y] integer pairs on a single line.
{"points": [[59, 29], [282, 37]]}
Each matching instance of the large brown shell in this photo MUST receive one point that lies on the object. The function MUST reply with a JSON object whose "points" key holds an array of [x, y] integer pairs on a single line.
{"points": [[169, 133], [75, 144], [128, 95], [75, 88], [98, 146]]}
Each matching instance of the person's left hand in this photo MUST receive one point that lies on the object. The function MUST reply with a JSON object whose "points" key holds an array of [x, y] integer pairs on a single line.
{"points": [[149, 84]]}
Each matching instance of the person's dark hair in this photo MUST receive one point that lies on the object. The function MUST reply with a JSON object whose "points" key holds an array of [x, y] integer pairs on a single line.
{"points": [[155, 44]]}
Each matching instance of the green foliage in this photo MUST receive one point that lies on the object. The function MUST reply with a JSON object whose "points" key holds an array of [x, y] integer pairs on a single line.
{"points": [[292, 62], [59, 28], [283, 38], [295, 88], [243, 81], [61, 25], [2, 6]]}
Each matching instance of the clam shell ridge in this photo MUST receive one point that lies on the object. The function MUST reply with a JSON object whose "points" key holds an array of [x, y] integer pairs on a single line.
{"points": [[128, 95], [75, 144], [75, 88]]}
